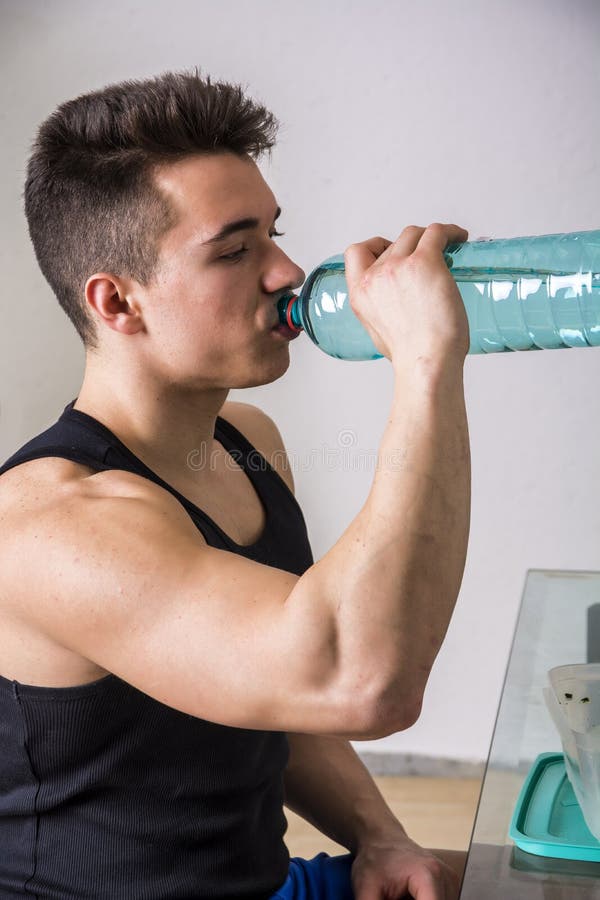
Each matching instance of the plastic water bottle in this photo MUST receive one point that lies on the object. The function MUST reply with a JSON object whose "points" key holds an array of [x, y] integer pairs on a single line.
{"points": [[526, 293]]}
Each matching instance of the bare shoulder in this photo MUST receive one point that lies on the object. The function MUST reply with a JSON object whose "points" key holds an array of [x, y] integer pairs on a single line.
{"points": [[39, 485], [51, 497], [53, 503], [42, 498], [262, 432], [31, 487]]}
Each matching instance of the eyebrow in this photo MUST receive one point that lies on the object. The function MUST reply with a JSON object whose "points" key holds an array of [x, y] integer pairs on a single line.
{"points": [[238, 225]]}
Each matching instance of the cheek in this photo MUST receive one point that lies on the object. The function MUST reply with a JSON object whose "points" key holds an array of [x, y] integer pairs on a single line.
{"points": [[212, 308]]}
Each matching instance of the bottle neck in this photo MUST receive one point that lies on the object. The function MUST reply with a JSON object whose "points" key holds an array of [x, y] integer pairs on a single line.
{"points": [[288, 308]]}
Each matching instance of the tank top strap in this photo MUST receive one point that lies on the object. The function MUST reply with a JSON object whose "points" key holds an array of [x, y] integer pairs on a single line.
{"points": [[251, 460], [81, 438], [66, 439]]}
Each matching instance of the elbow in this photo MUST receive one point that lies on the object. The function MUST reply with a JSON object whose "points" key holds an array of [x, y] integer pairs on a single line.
{"points": [[385, 713], [404, 715], [397, 716]]}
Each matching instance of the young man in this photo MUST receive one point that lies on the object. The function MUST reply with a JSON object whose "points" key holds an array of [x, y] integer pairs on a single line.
{"points": [[175, 667]]}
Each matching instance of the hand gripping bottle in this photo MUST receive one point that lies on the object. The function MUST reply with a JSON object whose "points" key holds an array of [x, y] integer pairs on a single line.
{"points": [[527, 293]]}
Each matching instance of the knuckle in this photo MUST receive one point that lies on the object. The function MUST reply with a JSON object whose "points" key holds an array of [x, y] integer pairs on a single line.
{"points": [[368, 278], [435, 867], [436, 227]]}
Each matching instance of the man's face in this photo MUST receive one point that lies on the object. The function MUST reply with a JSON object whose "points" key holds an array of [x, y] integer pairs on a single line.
{"points": [[211, 306]]}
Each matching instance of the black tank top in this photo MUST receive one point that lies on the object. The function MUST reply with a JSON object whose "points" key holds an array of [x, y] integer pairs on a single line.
{"points": [[107, 794]]}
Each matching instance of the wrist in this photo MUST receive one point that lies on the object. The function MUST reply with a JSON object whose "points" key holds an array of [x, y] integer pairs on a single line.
{"points": [[429, 372], [429, 380], [381, 833]]}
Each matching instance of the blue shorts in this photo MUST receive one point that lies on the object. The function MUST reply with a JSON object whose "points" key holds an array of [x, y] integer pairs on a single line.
{"points": [[323, 877]]}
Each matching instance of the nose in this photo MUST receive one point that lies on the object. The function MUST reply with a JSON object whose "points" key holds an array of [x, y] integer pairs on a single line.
{"points": [[282, 273]]}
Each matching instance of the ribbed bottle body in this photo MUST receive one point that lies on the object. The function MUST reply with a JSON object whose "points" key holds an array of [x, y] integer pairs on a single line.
{"points": [[527, 293], [532, 293]]}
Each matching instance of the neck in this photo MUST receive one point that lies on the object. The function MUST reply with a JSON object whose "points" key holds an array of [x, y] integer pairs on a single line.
{"points": [[168, 427]]}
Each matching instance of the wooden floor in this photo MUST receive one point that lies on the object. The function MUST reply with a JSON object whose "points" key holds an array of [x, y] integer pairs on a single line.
{"points": [[436, 812]]}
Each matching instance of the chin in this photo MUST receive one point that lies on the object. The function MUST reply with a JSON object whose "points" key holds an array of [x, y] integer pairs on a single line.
{"points": [[266, 372]]}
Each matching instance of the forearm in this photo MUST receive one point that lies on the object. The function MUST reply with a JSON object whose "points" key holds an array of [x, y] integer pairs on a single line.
{"points": [[327, 784], [393, 577]]}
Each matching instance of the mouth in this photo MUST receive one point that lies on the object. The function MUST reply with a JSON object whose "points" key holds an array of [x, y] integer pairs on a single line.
{"points": [[284, 332], [282, 329]]}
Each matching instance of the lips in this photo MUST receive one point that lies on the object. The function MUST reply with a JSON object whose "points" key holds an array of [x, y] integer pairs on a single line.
{"points": [[278, 320], [287, 332]]}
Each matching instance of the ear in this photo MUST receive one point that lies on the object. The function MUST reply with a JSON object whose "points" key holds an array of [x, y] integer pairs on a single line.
{"points": [[112, 299]]}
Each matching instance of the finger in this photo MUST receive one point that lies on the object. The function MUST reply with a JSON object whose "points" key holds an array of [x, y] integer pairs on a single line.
{"points": [[437, 236], [448, 873], [359, 257], [447, 883], [423, 886], [408, 240], [456, 860]]}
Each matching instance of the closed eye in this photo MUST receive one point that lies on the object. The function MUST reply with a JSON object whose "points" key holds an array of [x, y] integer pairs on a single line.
{"points": [[237, 254], [233, 257]]}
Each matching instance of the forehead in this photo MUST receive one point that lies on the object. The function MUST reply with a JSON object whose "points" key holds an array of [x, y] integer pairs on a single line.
{"points": [[207, 191]]}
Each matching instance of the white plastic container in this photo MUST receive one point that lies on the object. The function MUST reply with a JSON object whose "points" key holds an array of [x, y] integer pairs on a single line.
{"points": [[573, 701]]}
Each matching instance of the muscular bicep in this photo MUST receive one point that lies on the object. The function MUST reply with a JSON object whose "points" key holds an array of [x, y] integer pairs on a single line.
{"points": [[129, 583]]}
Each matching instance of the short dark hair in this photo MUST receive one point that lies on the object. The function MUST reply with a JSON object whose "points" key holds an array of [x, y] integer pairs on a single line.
{"points": [[90, 199]]}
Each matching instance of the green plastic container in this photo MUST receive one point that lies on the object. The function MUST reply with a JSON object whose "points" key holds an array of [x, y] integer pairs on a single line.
{"points": [[547, 819]]}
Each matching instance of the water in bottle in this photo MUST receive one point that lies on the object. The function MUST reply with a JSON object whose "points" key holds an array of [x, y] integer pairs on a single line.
{"points": [[527, 293]]}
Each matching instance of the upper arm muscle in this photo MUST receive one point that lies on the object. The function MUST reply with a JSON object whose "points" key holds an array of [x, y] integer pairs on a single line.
{"points": [[128, 582]]}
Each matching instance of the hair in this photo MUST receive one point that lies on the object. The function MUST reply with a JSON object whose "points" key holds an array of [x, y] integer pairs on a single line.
{"points": [[90, 198]]}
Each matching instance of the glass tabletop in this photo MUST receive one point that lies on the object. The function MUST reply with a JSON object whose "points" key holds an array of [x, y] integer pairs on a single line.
{"points": [[559, 623]]}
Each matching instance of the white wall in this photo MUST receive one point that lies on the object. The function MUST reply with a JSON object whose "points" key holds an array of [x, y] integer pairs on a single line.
{"points": [[485, 114]]}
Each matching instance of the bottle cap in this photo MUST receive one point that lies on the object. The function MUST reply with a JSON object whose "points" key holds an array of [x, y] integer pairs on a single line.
{"points": [[284, 308]]}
